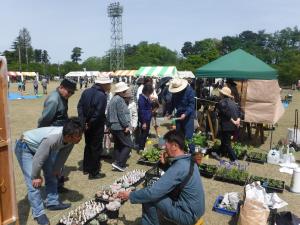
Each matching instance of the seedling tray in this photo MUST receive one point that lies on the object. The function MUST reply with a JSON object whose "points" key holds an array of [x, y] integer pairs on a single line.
{"points": [[144, 161], [228, 180], [267, 184], [203, 168], [222, 210], [255, 157]]}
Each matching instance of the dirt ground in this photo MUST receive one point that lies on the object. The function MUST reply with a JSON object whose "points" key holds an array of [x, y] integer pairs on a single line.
{"points": [[25, 113]]}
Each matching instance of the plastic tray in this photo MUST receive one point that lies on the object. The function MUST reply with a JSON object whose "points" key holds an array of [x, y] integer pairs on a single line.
{"points": [[221, 210], [238, 182], [143, 161]]}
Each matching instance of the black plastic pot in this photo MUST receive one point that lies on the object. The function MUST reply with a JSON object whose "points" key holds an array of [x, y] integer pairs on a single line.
{"points": [[112, 214], [103, 222]]}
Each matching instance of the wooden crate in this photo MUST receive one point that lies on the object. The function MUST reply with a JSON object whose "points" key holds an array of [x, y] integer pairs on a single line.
{"points": [[8, 209]]}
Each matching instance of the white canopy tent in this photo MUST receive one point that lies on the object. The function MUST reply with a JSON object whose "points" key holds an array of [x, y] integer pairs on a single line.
{"points": [[186, 74], [78, 74]]}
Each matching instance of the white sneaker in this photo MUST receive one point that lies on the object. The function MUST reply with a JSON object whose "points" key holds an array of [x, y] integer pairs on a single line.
{"points": [[119, 168]]}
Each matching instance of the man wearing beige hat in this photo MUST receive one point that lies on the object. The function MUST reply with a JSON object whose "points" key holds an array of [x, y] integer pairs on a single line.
{"points": [[229, 115], [118, 117], [91, 111], [183, 100]]}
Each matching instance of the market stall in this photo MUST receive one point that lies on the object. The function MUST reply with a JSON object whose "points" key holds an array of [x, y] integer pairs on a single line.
{"points": [[125, 75], [256, 82], [77, 74], [8, 209], [157, 71], [186, 74]]}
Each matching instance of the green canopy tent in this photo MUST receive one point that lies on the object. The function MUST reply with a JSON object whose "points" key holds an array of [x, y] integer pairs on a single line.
{"points": [[260, 92], [157, 71], [237, 65]]}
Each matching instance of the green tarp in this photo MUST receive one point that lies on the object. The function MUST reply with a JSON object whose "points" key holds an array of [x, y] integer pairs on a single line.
{"points": [[237, 65]]}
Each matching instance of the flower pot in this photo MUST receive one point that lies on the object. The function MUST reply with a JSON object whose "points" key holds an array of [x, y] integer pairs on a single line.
{"points": [[198, 157], [103, 222], [112, 214]]}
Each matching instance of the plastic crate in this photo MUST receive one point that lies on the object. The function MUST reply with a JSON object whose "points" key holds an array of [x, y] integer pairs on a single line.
{"points": [[221, 210], [152, 175]]}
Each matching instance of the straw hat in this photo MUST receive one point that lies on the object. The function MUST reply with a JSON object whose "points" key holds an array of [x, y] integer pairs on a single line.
{"points": [[120, 87], [128, 93], [103, 80], [226, 91], [177, 85]]}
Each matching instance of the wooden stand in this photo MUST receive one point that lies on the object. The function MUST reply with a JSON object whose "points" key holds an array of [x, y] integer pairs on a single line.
{"points": [[8, 209]]}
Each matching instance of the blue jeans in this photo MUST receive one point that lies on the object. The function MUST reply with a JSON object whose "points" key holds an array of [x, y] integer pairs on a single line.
{"points": [[166, 207], [25, 158], [186, 127]]}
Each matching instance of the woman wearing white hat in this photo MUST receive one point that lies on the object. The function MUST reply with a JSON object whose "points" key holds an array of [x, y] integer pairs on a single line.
{"points": [[118, 117], [229, 122], [183, 100]]}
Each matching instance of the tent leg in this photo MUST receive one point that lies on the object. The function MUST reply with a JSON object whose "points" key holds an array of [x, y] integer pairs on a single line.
{"points": [[271, 139]]}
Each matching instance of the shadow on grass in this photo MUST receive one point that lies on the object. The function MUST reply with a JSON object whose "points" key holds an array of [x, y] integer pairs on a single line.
{"points": [[71, 195], [23, 210], [233, 220], [137, 221], [68, 169]]}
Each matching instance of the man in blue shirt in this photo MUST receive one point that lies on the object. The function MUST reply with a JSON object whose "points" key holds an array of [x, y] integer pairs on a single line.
{"points": [[178, 194], [183, 100], [34, 151]]}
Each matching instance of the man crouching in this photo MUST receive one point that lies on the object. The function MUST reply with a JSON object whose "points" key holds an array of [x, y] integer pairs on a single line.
{"points": [[178, 194]]}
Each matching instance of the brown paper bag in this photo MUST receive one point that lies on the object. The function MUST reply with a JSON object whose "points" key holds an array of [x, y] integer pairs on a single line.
{"points": [[253, 212]]}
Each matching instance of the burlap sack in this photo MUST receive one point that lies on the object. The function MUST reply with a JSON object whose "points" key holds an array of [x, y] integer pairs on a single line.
{"points": [[253, 212]]}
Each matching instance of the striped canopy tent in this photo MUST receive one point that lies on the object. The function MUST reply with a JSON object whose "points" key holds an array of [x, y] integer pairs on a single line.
{"points": [[14, 74], [157, 71], [29, 74], [123, 73]]}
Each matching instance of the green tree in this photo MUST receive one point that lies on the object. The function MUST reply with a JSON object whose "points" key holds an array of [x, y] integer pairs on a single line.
{"points": [[76, 54]]}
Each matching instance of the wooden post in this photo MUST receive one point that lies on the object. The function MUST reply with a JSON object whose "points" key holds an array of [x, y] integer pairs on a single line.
{"points": [[8, 209]]}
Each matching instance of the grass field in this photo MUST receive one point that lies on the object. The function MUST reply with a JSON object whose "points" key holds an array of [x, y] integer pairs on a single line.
{"points": [[25, 113]]}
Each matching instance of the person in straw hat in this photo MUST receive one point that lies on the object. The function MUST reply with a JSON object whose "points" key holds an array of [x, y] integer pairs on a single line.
{"points": [[183, 100], [118, 117], [229, 122], [91, 111]]}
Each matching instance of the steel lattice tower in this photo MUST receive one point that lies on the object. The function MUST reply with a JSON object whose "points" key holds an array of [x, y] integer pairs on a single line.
{"points": [[115, 11]]}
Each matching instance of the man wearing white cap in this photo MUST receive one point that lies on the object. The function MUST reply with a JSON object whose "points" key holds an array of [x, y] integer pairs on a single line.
{"points": [[183, 100], [118, 117], [91, 111]]}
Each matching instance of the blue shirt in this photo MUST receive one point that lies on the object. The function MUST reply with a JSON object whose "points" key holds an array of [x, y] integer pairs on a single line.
{"points": [[191, 199], [183, 102]]}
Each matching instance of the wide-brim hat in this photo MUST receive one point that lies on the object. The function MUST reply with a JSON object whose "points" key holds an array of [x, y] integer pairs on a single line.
{"points": [[177, 85], [128, 93], [69, 84], [226, 91], [103, 80], [120, 87]]}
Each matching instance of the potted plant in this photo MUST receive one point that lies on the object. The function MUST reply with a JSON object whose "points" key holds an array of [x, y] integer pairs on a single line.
{"points": [[150, 156], [199, 140], [207, 170], [239, 150], [257, 157], [273, 185], [232, 174], [102, 218]]}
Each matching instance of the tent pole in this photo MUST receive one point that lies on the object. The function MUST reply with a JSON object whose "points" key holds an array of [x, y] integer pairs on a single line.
{"points": [[271, 139]]}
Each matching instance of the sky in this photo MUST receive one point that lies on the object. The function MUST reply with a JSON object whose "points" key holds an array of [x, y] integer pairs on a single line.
{"points": [[60, 25]]}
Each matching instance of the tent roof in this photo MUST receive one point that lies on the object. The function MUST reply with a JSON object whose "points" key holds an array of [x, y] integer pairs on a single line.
{"points": [[239, 65], [157, 71], [83, 74], [124, 73], [186, 74]]}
